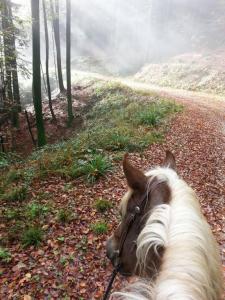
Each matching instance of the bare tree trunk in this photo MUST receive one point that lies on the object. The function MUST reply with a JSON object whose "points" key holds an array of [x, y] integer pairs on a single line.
{"points": [[16, 91], [2, 85], [10, 60], [37, 73], [47, 62], [55, 15], [68, 61], [29, 128], [7, 50]]}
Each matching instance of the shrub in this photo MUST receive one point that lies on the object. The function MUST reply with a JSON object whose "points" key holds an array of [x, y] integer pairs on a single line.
{"points": [[102, 205], [99, 228], [32, 236], [5, 255], [93, 168]]}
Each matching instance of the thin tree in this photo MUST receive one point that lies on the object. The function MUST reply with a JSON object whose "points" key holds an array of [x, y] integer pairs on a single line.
{"points": [[56, 28], [10, 62], [41, 139], [7, 56], [47, 62], [68, 61], [16, 90]]}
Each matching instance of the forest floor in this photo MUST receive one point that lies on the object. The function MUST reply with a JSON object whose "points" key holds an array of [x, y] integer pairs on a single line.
{"points": [[71, 263]]}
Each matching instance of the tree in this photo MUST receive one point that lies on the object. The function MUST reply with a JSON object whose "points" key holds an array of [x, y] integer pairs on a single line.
{"points": [[6, 42], [16, 91], [10, 61], [56, 28], [47, 61], [68, 61], [37, 73]]}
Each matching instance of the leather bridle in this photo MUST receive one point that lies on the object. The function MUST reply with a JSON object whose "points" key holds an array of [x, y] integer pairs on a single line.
{"points": [[138, 210], [130, 220]]}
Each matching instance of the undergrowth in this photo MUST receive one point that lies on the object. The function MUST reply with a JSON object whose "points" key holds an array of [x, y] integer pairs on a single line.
{"points": [[102, 205], [99, 228], [32, 236], [121, 120]]}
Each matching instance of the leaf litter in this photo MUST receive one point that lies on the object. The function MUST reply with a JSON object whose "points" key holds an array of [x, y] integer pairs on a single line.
{"points": [[71, 262]]}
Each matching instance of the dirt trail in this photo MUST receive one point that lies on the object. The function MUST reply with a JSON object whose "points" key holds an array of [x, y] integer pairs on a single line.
{"points": [[203, 101], [197, 137]]}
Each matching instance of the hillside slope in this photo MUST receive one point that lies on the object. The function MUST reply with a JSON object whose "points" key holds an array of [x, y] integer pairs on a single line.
{"points": [[191, 71]]}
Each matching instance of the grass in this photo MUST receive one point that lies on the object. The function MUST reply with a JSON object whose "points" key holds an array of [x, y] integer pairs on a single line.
{"points": [[34, 210], [14, 176], [64, 216], [11, 214], [6, 159], [99, 228], [92, 169], [15, 231], [5, 255], [32, 236], [102, 205], [18, 193], [120, 120]]}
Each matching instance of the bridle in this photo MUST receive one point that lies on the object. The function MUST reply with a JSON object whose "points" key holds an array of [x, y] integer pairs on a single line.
{"points": [[130, 221], [138, 210]]}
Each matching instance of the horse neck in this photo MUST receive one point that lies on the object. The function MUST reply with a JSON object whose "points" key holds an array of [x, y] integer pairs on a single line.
{"points": [[191, 266]]}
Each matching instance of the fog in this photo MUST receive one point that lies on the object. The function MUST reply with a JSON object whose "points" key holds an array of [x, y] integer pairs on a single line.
{"points": [[119, 37]]}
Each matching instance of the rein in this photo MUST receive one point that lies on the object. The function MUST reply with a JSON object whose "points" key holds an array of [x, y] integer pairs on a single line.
{"points": [[131, 218], [130, 221]]}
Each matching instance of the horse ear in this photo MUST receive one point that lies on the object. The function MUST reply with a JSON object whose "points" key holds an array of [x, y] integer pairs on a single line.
{"points": [[170, 160], [135, 178]]}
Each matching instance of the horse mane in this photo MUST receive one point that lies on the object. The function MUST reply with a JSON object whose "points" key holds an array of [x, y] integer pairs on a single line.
{"points": [[190, 268]]}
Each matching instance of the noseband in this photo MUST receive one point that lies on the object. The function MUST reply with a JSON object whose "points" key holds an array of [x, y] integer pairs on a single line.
{"points": [[138, 210]]}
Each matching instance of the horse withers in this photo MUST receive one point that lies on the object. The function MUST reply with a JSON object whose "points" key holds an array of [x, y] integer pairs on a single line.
{"points": [[164, 239]]}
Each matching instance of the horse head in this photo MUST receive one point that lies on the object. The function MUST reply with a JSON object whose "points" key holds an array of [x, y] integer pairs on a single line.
{"points": [[145, 192]]}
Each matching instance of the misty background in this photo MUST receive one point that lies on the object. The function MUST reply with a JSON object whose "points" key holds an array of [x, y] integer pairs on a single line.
{"points": [[116, 37]]}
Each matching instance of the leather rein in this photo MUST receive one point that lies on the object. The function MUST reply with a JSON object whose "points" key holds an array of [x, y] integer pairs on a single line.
{"points": [[131, 218]]}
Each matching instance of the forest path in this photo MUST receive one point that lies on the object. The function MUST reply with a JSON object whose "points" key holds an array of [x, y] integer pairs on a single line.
{"points": [[204, 101], [197, 137]]}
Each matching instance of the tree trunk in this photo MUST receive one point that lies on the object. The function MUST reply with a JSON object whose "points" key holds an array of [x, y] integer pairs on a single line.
{"points": [[10, 60], [29, 128], [68, 61], [55, 16], [3, 103], [47, 62], [7, 50], [37, 73], [16, 91]]}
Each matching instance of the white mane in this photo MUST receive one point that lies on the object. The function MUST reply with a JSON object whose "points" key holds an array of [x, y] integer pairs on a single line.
{"points": [[191, 267]]}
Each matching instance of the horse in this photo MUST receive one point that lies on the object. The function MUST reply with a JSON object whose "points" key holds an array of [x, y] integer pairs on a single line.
{"points": [[164, 239]]}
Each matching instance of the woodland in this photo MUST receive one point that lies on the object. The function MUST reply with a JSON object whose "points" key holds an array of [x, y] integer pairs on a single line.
{"points": [[82, 83]]}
